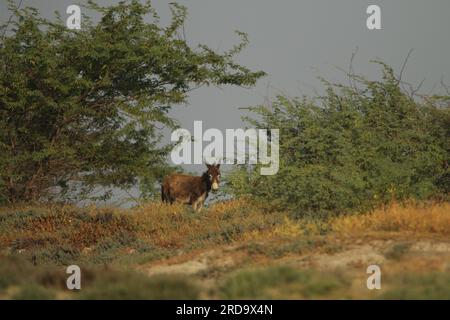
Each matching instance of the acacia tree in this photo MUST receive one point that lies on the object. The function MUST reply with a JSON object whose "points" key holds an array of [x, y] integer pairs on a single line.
{"points": [[86, 107]]}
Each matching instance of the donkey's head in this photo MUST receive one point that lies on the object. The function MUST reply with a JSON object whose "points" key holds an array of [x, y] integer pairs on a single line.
{"points": [[214, 175]]}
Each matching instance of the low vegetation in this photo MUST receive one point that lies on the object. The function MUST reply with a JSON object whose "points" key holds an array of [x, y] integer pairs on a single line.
{"points": [[414, 219], [234, 250]]}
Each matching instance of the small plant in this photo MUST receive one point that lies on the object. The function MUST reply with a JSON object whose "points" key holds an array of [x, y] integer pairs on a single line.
{"points": [[33, 292], [433, 286], [126, 285], [281, 282], [397, 251]]}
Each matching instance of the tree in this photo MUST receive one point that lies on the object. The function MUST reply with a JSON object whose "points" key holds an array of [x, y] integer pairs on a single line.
{"points": [[85, 108], [356, 147]]}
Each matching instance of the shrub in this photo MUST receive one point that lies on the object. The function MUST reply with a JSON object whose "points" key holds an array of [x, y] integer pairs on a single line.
{"points": [[433, 285], [351, 150], [281, 283], [127, 285], [33, 292]]}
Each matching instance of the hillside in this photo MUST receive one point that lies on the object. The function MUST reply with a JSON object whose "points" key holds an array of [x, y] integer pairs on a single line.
{"points": [[233, 249]]}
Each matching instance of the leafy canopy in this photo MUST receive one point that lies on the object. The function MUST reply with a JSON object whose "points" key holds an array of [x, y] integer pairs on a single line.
{"points": [[85, 108]]}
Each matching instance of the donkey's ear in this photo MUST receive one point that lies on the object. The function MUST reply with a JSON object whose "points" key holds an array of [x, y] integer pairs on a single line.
{"points": [[218, 165], [208, 165]]}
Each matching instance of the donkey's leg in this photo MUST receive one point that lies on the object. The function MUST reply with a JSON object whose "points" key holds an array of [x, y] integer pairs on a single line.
{"points": [[201, 201], [200, 205], [165, 197], [197, 204]]}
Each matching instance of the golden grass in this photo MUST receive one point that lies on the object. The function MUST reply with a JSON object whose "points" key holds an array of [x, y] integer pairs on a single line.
{"points": [[176, 225], [157, 224], [432, 218], [68, 225]]}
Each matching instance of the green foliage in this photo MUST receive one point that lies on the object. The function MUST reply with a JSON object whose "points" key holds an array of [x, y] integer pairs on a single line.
{"points": [[411, 286], [355, 147], [84, 108], [20, 279], [397, 251], [285, 282], [136, 286], [278, 250], [33, 292]]}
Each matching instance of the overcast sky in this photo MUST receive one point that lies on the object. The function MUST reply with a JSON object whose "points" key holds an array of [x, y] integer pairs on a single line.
{"points": [[295, 41]]}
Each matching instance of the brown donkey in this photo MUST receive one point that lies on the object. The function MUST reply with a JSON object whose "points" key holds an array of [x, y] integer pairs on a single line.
{"points": [[189, 189]]}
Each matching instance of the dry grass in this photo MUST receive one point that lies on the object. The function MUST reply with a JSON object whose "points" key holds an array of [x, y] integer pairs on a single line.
{"points": [[174, 226], [154, 226], [410, 218], [237, 235], [29, 227], [177, 227]]}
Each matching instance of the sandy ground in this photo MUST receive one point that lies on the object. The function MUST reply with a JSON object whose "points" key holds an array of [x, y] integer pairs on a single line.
{"points": [[353, 257]]}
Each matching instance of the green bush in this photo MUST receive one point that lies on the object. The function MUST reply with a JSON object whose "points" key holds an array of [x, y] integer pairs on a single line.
{"points": [[352, 149], [27, 280], [397, 251], [281, 283], [127, 285], [33, 292], [20, 279], [434, 285]]}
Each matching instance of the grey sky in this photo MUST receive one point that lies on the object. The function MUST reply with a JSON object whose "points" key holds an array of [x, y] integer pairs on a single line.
{"points": [[295, 41]]}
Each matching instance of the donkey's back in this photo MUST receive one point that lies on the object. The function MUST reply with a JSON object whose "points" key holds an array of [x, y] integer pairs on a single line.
{"points": [[180, 187]]}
